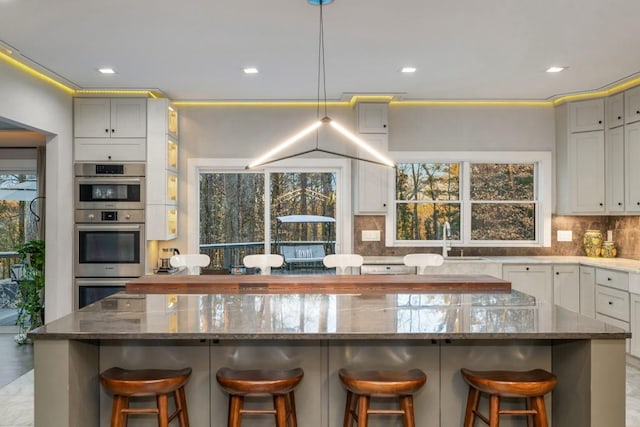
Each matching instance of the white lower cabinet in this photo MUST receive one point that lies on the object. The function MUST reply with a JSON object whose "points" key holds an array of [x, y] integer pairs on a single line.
{"points": [[635, 324], [612, 299], [566, 286], [588, 291], [532, 279]]}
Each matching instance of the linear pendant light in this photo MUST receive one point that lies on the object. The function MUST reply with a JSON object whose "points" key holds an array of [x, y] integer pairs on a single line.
{"points": [[269, 156]]}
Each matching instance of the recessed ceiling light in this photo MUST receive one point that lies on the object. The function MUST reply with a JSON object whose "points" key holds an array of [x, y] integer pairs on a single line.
{"points": [[555, 69], [107, 70], [409, 69], [251, 70]]}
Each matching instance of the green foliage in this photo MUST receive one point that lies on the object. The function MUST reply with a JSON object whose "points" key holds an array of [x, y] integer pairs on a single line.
{"points": [[31, 305]]}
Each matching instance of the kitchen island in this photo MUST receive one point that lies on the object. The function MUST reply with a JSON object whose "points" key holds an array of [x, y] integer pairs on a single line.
{"points": [[322, 332]]}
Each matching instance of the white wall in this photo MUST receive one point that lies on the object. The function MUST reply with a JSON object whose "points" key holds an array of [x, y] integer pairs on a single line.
{"points": [[248, 131], [42, 107], [471, 128]]}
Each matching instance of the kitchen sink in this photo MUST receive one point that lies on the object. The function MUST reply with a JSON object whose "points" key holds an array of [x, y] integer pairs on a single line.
{"points": [[464, 258]]}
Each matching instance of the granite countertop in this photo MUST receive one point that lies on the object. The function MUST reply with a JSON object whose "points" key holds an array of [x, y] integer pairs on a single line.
{"points": [[405, 316], [623, 264]]}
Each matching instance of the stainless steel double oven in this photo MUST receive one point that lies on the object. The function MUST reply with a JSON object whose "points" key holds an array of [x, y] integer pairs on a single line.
{"points": [[109, 228]]}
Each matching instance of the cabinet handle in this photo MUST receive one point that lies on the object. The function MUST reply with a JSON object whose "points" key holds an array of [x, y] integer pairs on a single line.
{"points": [[610, 303], [638, 203], [109, 157], [527, 268], [619, 203], [619, 117], [557, 273], [113, 131], [599, 122], [609, 279], [106, 130], [601, 204], [637, 111], [384, 126]]}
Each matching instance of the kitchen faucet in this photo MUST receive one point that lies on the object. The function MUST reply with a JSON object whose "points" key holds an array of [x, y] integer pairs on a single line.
{"points": [[446, 232]]}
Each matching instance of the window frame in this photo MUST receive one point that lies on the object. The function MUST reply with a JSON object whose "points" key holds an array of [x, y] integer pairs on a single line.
{"points": [[542, 188], [341, 167]]}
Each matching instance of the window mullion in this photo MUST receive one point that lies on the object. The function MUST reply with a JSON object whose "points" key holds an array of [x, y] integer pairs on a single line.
{"points": [[465, 213], [267, 212]]}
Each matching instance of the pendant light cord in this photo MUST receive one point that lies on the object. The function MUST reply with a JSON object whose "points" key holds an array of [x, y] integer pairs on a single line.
{"points": [[321, 66]]}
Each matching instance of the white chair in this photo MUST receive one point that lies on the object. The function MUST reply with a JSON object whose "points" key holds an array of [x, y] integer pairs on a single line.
{"points": [[263, 261], [342, 261], [422, 261], [192, 262]]}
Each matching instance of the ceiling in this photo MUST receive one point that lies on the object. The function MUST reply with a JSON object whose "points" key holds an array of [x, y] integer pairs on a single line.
{"points": [[464, 49]]}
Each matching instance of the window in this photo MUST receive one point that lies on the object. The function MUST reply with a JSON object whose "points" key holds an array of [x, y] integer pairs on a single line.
{"points": [[487, 200], [243, 212]]}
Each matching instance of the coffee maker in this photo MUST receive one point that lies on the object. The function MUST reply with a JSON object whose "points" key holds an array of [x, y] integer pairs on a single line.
{"points": [[163, 260]]}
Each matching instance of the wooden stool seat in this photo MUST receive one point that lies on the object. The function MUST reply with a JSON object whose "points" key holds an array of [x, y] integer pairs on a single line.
{"points": [[530, 385], [279, 383], [126, 383], [362, 385]]}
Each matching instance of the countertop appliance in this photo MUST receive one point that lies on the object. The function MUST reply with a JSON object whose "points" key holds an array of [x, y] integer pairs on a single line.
{"points": [[164, 260]]}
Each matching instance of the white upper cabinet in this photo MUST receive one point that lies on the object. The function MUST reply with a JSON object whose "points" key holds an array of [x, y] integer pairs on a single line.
{"points": [[586, 116], [110, 117], [373, 117], [632, 167], [615, 170], [632, 105], [586, 166], [372, 191], [615, 110]]}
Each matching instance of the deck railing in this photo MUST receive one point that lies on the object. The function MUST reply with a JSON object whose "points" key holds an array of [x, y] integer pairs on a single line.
{"points": [[227, 255], [7, 259]]}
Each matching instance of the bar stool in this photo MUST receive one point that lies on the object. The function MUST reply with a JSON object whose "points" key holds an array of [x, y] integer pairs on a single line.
{"points": [[277, 383], [361, 385], [126, 383], [530, 385]]}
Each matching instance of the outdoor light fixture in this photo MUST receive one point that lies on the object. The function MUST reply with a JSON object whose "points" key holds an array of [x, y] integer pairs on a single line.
{"points": [[269, 156]]}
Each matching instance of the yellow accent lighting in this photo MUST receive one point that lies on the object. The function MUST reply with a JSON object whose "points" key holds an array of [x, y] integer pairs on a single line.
{"points": [[360, 143], [35, 73], [284, 144]]}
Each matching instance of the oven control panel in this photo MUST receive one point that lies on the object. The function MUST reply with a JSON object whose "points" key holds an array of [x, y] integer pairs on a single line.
{"points": [[96, 216]]}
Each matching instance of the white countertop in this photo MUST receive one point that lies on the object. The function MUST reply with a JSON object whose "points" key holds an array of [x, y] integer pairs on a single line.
{"points": [[622, 264]]}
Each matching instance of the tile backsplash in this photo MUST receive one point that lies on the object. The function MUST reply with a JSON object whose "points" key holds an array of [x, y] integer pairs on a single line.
{"points": [[626, 235]]}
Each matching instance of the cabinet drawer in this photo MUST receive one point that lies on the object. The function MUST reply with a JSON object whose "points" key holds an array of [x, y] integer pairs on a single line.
{"points": [[612, 279], [612, 302], [387, 269], [104, 150]]}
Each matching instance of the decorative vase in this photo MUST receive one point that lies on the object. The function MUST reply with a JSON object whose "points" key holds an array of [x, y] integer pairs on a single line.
{"points": [[592, 243], [609, 250]]}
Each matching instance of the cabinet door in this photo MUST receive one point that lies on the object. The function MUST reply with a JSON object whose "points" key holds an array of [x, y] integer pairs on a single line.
{"points": [[635, 325], [531, 279], [373, 180], [588, 291], [632, 105], [632, 167], [91, 118], [566, 287], [372, 117], [162, 222], [128, 118], [615, 170], [586, 115], [586, 165], [615, 110]]}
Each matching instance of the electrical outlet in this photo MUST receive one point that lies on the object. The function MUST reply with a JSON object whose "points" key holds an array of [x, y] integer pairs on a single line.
{"points": [[370, 235], [565, 236]]}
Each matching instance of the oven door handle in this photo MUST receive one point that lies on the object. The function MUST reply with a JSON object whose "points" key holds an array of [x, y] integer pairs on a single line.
{"points": [[114, 227], [108, 180]]}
